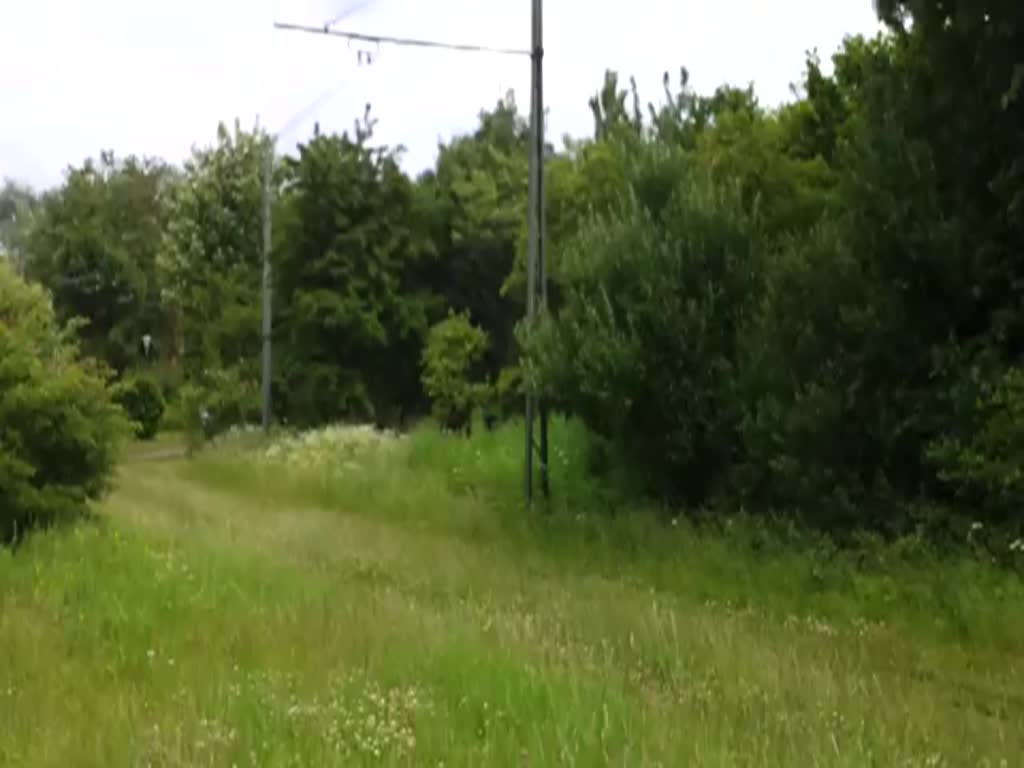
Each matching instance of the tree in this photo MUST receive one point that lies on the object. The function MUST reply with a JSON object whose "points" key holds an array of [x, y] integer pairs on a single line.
{"points": [[479, 194], [886, 324], [94, 244], [211, 256], [353, 300]]}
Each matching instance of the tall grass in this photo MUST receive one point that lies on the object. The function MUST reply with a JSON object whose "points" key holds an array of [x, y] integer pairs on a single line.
{"points": [[474, 489], [402, 607]]}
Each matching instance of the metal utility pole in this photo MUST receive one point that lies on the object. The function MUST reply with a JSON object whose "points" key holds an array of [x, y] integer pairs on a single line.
{"points": [[536, 280], [268, 172]]}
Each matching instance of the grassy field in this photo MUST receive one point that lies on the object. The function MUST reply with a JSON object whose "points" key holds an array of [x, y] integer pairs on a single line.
{"points": [[384, 602]]}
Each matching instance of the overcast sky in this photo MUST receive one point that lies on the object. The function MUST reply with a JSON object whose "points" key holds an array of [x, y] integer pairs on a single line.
{"points": [[154, 77]]}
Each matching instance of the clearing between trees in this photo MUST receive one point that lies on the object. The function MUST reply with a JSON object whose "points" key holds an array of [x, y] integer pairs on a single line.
{"points": [[347, 597]]}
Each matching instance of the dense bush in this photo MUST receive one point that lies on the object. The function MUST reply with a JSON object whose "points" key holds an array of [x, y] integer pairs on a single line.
{"points": [[222, 399], [455, 348], [986, 468], [505, 395], [645, 347], [143, 401], [814, 431], [352, 312], [59, 428]]}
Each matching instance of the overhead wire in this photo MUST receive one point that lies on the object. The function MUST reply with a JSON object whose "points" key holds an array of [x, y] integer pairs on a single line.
{"points": [[402, 41]]}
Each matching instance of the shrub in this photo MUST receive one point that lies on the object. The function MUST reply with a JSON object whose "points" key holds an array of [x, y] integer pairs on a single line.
{"points": [[59, 427], [814, 432], [454, 350], [225, 398], [143, 401], [508, 393], [645, 346], [986, 469]]}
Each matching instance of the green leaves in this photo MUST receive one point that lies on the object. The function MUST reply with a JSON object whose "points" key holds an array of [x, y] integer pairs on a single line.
{"points": [[59, 429], [986, 468], [645, 344], [212, 252], [94, 243], [480, 193], [454, 349], [353, 302], [142, 400]]}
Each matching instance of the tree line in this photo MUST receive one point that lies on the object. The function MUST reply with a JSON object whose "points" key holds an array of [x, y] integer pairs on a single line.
{"points": [[814, 309]]}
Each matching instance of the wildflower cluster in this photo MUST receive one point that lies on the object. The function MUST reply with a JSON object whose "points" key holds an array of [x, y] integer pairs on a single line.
{"points": [[354, 717], [335, 449], [351, 718]]}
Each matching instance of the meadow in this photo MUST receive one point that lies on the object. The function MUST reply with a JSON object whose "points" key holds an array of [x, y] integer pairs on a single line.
{"points": [[352, 598]]}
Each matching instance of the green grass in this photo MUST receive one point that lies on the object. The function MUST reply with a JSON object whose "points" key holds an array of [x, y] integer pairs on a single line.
{"points": [[409, 612]]}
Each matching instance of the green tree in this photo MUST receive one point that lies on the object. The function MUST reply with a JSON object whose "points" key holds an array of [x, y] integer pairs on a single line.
{"points": [[59, 429], [986, 470], [746, 145], [478, 194], [888, 322], [354, 304], [94, 243], [211, 256], [142, 400]]}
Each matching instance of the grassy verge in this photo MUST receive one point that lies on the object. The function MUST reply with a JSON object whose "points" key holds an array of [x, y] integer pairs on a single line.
{"points": [[399, 607]]}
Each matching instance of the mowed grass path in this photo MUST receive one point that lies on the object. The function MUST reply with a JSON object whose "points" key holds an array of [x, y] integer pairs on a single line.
{"points": [[217, 616]]}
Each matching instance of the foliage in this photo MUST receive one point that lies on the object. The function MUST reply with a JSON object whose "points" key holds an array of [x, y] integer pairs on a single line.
{"points": [[874, 325], [815, 425], [352, 305], [143, 401], [478, 196], [220, 399], [94, 244], [59, 429], [646, 345], [973, 55], [986, 470], [18, 205], [211, 255], [454, 349], [506, 394]]}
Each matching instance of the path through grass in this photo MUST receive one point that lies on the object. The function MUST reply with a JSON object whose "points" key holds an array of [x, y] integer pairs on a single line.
{"points": [[224, 614]]}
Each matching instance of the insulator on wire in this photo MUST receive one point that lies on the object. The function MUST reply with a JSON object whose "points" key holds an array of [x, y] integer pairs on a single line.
{"points": [[364, 55]]}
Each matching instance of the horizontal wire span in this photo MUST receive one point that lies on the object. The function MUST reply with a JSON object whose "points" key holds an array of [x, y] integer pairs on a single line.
{"points": [[402, 41]]}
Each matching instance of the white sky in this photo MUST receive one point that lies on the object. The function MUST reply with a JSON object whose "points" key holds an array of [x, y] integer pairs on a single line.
{"points": [[153, 77]]}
